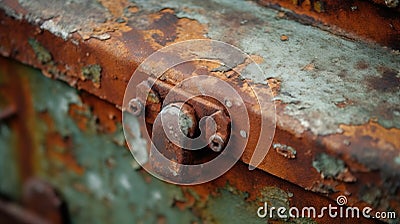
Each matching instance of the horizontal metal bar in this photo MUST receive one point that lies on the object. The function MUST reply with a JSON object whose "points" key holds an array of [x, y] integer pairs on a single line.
{"points": [[337, 100]]}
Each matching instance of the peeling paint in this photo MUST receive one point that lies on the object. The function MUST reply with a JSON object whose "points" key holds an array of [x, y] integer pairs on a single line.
{"points": [[42, 54], [62, 97], [323, 188], [284, 150], [275, 197], [230, 206], [328, 166], [93, 73], [59, 18], [90, 167], [310, 95], [115, 194]]}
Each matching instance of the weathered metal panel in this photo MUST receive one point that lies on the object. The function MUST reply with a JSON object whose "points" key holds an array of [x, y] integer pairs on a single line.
{"points": [[78, 147], [374, 20], [337, 100]]}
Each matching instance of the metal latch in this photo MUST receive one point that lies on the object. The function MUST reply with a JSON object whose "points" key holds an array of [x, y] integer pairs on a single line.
{"points": [[197, 128], [188, 123]]}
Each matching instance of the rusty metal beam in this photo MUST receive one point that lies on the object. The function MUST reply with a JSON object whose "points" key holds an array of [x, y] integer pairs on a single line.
{"points": [[337, 100], [60, 164], [375, 20]]}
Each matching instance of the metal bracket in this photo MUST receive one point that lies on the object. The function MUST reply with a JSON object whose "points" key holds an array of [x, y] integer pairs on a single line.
{"points": [[212, 131]]}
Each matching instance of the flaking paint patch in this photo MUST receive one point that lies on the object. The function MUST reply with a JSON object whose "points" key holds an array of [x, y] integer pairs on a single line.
{"points": [[285, 150], [62, 98], [328, 166], [230, 206], [42, 54], [375, 131], [62, 18], [93, 73], [310, 95], [114, 193], [275, 197]]}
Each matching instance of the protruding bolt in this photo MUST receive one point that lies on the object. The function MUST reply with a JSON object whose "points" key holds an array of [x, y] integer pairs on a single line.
{"points": [[216, 143], [135, 107]]}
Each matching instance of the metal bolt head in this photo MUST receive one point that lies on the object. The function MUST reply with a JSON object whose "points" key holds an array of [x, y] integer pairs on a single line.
{"points": [[216, 143], [135, 107]]}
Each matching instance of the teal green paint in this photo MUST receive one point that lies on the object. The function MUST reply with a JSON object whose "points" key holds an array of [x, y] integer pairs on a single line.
{"points": [[42, 54], [328, 166], [275, 197], [230, 206], [103, 193], [53, 97], [9, 181], [92, 72]]}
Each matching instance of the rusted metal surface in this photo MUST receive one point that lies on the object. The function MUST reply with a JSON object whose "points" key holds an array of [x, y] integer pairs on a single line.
{"points": [[43, 200], [83, 156], [12, 213], [375, 20], [332, 104], [40, 205]]}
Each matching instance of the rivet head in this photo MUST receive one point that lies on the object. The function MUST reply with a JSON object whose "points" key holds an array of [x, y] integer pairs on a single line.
{"points": [[135, 107]]}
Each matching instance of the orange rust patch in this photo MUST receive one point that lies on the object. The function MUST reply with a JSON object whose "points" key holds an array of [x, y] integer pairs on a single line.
{"points": [[66, 158], [166, 29], [345, 103], [284, 38], [116, 8], [58, 148], [309, 67], [275, 85], [76, 113], [106, 113], [257, 59], [190, 29], [381, 135], [109, 26], [133, 9], [348, 18]]}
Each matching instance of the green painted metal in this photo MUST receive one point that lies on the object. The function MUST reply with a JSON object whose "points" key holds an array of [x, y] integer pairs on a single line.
{"points": [[102, 194], [9, 179]]}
